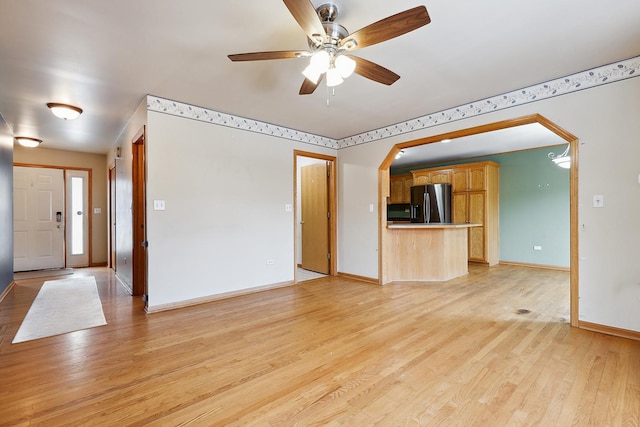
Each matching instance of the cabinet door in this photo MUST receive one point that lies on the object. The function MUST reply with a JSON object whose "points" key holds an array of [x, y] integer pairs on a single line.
{"points": [[460, 202], [441, 176], [459, 179], [476, 234], [421, 179], [406, 189], [397, 188], [477, 178]]}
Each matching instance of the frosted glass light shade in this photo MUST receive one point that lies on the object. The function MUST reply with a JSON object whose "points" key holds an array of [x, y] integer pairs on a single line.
{"points": [[64, 111], [312, 73], [320, 61], [333, 77], [563, 162], [26, 141], [345, 66]]}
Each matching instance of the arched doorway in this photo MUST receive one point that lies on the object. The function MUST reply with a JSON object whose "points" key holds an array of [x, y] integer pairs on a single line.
{"points": [[384, 183]]}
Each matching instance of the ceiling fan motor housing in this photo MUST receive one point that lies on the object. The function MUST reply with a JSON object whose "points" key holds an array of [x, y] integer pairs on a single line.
{"points": [[334, 32]]}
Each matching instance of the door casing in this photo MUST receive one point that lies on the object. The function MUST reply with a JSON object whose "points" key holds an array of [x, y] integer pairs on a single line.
{"points": [[333, 219]]}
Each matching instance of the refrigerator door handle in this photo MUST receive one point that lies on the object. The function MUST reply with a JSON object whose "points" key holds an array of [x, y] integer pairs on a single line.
{"points": [[427, 208]]}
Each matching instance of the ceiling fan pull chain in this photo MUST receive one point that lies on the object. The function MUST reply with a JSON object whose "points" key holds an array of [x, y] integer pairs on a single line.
{"points": [[328, 92]]}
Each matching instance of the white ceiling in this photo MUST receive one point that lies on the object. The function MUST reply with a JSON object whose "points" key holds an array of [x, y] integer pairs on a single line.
{"points": [[105, 56], [500, 141]]}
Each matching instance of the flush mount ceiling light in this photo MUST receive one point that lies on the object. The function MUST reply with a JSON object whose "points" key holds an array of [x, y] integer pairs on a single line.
{"points": [[563, 160], [64, 111], [400, 154], [29, 142]]}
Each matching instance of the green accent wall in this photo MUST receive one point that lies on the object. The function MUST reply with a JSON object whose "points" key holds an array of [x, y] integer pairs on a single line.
{"points": [[534, 206]]}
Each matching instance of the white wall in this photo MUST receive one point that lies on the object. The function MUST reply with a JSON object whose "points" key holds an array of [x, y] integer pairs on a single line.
{"points": [[605, 119], [124, 194], [225, 192]]}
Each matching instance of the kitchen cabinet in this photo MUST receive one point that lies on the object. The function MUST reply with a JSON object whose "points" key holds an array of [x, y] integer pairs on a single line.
{"points": [[475, 200], [469, 207], [469, 178], [431, 176], [400, 188], [475, 188]]}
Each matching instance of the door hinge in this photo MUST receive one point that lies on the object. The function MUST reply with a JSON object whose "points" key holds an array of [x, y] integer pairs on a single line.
{"points": [[328, 215], [329, 256]]}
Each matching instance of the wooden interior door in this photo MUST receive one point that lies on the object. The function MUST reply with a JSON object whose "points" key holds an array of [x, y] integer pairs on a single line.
{"points": [[315, 217], [139, 286], [38, 222], [112, 217]]}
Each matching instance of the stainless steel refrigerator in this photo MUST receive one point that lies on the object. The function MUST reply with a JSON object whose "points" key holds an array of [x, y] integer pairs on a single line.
{"points": [[431, 203]]}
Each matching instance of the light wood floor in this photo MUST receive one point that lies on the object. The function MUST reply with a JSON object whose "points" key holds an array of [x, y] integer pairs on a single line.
{"points": [[493, 348]]}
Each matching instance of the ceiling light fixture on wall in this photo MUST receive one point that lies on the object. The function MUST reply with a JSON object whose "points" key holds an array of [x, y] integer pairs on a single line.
{"points": [[64, 111], [400, 154], [29, 142], [563, 160]]}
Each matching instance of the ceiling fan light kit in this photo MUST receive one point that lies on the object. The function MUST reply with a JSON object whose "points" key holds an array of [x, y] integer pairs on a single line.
{"points": [[330, 43]]}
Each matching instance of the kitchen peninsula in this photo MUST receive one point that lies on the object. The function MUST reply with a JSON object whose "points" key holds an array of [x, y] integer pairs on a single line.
{"points": [[427, 252]]}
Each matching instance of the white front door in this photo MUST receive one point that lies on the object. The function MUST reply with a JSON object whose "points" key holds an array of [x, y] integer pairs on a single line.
{"points": [[38, 218], [77, 190]]}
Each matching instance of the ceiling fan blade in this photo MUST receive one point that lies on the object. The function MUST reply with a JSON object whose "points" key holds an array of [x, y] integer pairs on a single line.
{"points": [[306, 16], [259, 56], [388, 28], [374, 71], [308, 87]]}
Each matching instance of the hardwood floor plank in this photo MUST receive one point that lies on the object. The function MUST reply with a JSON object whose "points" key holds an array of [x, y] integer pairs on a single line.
{"points": [[490, 348]]}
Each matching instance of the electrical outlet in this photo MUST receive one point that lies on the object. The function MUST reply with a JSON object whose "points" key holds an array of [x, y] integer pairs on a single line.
{"points": [[158, 205], [271, 261], [537, 248]]}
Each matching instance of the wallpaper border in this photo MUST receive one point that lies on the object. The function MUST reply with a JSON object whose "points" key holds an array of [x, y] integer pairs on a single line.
{"points": [[599, 76]]}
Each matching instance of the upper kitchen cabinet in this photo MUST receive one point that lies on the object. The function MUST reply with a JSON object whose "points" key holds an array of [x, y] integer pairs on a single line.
{"points": [[401, 188], [472, 176], [431, 176]]}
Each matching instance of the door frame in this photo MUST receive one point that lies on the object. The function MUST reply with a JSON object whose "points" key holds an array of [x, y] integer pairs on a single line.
{"points": [[112, 215], [333, 209], [572, 140], [89, 202], [139, 215]]}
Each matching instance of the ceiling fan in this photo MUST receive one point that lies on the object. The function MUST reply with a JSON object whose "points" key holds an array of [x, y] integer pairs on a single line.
{"points": [[330, 44]]}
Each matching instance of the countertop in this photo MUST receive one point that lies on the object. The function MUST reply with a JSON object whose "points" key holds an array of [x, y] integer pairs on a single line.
{"points": [[415, 225]]}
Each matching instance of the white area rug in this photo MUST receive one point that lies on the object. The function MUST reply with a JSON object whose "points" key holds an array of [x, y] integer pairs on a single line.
{"points": [[62, 306]]}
